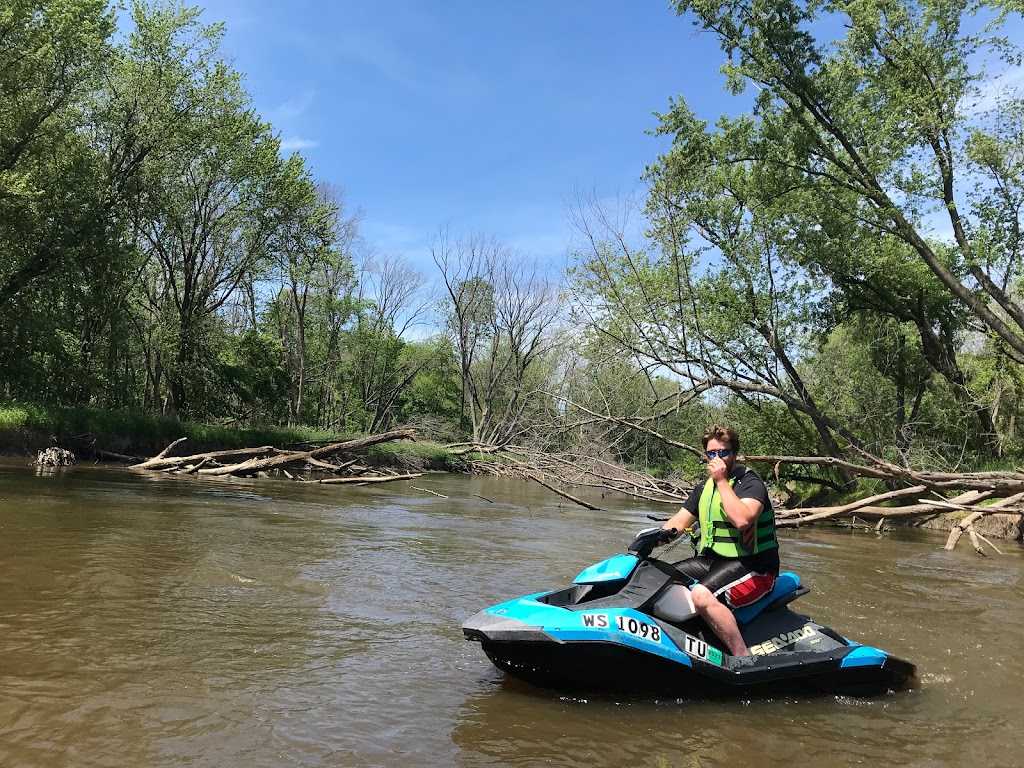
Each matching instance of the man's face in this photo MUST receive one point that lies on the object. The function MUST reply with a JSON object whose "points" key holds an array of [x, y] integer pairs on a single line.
{"points": [[712, 451]]}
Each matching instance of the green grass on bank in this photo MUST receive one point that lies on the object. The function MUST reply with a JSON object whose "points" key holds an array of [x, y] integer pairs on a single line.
{"points": [[431, 454], [64, 423], [26, 428]]}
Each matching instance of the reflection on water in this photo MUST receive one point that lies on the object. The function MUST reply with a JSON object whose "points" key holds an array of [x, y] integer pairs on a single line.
{"points": [[155, 620]]}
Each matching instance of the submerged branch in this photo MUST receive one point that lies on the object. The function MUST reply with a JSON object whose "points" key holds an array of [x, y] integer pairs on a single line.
{"points": [[563, 494]]}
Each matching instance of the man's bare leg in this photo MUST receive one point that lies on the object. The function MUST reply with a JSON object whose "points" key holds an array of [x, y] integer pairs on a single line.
{"points": [[720, 619]]}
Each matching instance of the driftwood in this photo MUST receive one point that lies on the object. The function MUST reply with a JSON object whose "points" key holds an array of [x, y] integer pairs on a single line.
{"points": [[258, 461], [160, 462], [461, 449], [967, 524], [111, 456], [297, 457], [427, 490], [968, 488], [328, 467], [589, 471], [915, 494], [1003, 483], [922, 509], [574, 469], [791, 518], [972, 488]]}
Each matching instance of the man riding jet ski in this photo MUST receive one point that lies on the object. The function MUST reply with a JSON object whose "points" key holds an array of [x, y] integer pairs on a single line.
{"points": [[738, 558], [732, 579]]}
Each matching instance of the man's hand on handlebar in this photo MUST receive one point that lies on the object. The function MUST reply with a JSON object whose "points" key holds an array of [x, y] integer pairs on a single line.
{"points": [[647, 539]]}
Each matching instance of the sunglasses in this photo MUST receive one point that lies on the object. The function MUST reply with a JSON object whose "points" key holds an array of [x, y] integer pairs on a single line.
{"points": [[721, 453]]}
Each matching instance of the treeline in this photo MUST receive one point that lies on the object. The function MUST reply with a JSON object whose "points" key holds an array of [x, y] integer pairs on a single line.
{"points": [[159, 251], [835, 269]]}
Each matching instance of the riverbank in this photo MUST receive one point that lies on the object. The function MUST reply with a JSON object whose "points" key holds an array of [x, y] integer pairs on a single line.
{"points": [[995, 526], [93, 435]]}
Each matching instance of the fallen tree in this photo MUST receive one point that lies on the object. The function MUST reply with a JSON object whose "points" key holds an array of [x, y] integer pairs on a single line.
{"points": [[251, 462], [574, 470], [915, 494]]}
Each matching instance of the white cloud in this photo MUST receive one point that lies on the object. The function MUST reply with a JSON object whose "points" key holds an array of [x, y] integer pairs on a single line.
{"points": [[293, 108], [295, 143]]}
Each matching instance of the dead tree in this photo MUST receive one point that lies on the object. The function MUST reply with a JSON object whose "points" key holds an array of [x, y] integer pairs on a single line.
{"points": [[924, 493], [975, 493], [253, 461]]}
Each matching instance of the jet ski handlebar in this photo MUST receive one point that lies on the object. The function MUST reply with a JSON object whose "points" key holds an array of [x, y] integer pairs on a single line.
{"points": [[647, 539]]}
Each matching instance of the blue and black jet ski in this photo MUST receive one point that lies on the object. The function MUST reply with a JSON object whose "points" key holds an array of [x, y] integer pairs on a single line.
{"points": [[627, 626]]}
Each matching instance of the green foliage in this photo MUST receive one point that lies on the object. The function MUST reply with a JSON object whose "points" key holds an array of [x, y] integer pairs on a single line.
{"points": [[147, 432], [793, 257], [13, 417], [251, 380], [53, 53], [419, 454], [218, 199], [434, 388]]}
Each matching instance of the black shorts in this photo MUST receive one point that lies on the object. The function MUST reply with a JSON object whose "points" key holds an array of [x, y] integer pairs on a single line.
{"points": [[736, 582]]}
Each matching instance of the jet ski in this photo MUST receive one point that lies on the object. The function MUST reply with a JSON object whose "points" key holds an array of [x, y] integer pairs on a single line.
{"points": [[626, 625]]}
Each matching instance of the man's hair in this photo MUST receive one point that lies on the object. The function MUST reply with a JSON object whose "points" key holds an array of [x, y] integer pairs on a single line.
{"points": [[722, 434]]}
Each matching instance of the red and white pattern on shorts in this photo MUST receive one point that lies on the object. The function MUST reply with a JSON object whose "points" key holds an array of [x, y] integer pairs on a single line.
{"points": [[747, 590]]}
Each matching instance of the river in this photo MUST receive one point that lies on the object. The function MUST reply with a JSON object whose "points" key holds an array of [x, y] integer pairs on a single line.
{"points": [[156, 620]]}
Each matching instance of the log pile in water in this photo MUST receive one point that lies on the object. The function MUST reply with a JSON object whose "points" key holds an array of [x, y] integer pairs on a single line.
{"points": [[915, 495], [257, 462], [930, 494], [559, 471]]}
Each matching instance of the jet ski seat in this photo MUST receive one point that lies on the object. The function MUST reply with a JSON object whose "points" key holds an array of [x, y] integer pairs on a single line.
{"points": [[676, 606], [787, 589]]}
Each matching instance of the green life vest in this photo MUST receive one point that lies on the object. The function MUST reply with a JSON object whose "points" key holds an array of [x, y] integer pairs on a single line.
{"points": [[722, 537]]}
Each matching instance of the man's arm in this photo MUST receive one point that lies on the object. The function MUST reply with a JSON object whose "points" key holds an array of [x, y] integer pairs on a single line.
{"points": [[681, 520], [741, 512]]}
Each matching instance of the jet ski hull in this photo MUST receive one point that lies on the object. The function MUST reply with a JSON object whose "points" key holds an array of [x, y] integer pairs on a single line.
{"points": [[602, 666]]}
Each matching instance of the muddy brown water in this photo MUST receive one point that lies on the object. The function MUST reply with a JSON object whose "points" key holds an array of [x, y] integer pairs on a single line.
{"points": [[152, 620]]}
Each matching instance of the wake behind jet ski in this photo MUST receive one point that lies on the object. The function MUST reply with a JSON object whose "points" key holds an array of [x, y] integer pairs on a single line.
{"points": [[626, 625]]}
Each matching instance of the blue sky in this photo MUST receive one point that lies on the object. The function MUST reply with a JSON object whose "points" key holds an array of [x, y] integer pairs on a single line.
{"points": [[472, 115]]}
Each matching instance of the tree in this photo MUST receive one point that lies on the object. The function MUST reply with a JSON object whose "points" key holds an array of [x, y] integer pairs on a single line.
{"points": [[67, 164], [732, 313], [393, 299], [875, 125], [313, 243], [852, 150], [215, 203], [502, 313], [431, 401], [53, 54]]}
